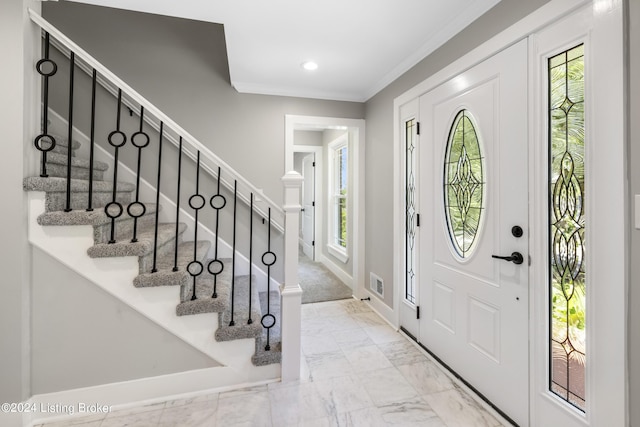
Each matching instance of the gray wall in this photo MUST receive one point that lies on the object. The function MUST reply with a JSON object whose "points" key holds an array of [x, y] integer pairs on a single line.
{"points": [[180, 65], [379, 143], [17, 122], [118, 343], [634, 168]]}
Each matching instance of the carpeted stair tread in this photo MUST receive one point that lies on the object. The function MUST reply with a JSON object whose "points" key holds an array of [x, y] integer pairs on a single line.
{"points": [[241, 328], [61, 159], [204, 302], [144, 245], [205, 287], [165, 276], [58, 184], [83, 217], [62, 146], [274, 354]]}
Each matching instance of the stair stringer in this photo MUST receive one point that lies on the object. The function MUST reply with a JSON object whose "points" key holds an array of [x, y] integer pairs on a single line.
{"points": [[69, 244]]}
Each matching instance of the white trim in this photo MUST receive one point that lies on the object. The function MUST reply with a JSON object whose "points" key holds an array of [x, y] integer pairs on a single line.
{"points": [[331, 233], [338, 252], [357, 133], [139, 392], [381, 309], [333, 267]]}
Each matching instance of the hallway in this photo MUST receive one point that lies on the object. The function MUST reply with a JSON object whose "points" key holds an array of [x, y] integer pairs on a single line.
{"points": [[318, 283]]}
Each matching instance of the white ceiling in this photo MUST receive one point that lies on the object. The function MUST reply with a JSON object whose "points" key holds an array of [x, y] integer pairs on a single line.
{"points": [[360, 45]]}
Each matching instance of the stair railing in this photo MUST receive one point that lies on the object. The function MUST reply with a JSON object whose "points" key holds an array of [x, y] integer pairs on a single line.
{"points": [[204, 159], [154, 117]]}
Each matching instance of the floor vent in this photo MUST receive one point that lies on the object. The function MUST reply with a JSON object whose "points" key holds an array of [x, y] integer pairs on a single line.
{"points": [[376, 284]]}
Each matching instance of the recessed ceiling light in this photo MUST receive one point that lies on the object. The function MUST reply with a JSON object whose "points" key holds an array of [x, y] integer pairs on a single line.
{"points": [[309, 65]]}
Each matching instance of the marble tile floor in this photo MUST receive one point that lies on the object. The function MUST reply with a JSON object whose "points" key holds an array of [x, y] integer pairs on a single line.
{"points": [[356, 371]]}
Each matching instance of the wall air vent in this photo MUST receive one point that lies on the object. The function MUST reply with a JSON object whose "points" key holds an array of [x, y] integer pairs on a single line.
{"points": [[376, 284]]}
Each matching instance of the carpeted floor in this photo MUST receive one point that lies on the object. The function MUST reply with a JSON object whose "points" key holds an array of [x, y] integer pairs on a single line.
{"points": [[318, 283]]}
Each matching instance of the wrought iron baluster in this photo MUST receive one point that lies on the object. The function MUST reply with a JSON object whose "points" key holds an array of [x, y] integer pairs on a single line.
{"points": [[72, 67], [94, 79], [45, 142], [116, 139], [215, 267], [250, 320], [233, 254], [175, 258], [268, 259], [137, 209], [154, 269], [196, 202]]}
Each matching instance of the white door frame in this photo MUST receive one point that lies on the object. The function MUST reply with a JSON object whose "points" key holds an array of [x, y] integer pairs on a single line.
{"points": [[356, 129], [609, 404]]}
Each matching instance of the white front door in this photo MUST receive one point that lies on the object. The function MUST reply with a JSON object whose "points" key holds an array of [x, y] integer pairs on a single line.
{"points": [[474, 208], [308, 206]]}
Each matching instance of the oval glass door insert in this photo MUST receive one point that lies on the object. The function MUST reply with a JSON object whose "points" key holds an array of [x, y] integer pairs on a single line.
{"points": [[464, 185]]}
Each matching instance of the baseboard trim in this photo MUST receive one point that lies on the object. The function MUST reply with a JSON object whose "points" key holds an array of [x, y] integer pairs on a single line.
{"points": [[382, 309], [147, 391], [342, 275]]}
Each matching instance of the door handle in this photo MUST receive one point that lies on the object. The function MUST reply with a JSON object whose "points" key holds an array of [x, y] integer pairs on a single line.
{"points": [[516, 258]]}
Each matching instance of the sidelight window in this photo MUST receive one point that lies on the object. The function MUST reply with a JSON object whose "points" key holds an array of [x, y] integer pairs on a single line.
{"points": [[567, 284]]}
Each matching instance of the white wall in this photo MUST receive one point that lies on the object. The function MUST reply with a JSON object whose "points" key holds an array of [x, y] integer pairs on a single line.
{"points": [[634, 161], [83, 336], [18, 40]]}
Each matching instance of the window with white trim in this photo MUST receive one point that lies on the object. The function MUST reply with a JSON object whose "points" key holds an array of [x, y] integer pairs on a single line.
{"points": [[337, 208]]}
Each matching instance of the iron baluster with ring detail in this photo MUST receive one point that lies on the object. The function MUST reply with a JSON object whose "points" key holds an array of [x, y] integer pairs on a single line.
{"points": [[196, 202], [45, 142], [137, 209], [116, 139], [215, 267], [268, 259]]}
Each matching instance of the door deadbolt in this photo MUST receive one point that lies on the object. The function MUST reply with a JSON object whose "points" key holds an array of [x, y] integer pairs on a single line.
{"points": [[516, 230]]}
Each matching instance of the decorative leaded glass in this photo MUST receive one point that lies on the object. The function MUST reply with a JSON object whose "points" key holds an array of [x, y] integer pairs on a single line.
{"points": [[410, 203], [567, 226], [464, 184]]}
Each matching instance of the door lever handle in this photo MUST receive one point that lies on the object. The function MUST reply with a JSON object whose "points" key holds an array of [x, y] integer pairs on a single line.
{"points": [[516, 258]]}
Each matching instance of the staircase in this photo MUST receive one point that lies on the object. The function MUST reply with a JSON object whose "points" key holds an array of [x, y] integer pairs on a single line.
{"points": [[122, 233], [167, 266]]}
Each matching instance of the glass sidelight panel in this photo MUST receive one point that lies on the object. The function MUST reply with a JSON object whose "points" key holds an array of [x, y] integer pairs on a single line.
{"points": [[464, 184], [411, 214], [567, 244]]}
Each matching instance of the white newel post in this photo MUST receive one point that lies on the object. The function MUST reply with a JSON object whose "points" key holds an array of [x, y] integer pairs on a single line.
{"points": [[290, 291]]}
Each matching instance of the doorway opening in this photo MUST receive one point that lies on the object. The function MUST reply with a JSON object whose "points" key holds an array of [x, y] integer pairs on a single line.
{"points": [[326, 152]]}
